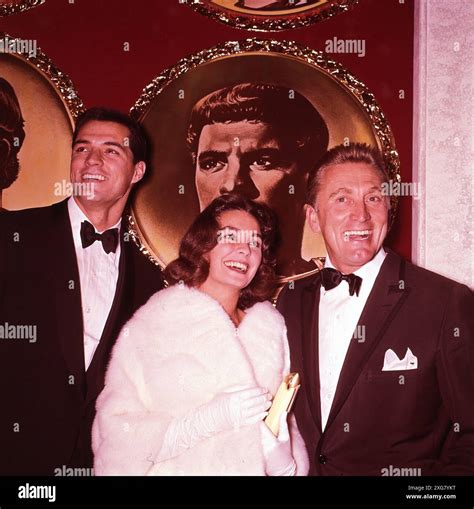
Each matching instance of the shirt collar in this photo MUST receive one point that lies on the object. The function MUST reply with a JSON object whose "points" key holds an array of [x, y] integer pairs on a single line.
{"points": [[77, 216], [367, 272]]}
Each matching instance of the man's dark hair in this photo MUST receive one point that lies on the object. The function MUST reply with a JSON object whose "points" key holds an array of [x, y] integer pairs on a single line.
{"points": [[192, 268], [351, 153], [12, 134], [298, 125], [137, 140]]}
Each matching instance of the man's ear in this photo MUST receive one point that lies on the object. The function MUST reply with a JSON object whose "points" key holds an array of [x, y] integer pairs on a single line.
{"points": [[140, 168], [312, 218]]}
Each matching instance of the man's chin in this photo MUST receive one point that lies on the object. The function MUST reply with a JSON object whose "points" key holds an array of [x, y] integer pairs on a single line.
{"points": [[362, 256]]}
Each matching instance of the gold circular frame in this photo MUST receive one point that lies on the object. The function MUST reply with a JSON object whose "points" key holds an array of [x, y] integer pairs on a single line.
{"points": [[44, 92], [270, 21], [158, 219], [7, 9]]}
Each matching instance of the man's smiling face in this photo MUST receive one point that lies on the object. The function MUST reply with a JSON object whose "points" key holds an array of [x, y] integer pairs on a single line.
{"points": [[102, 158], [351, 213]]}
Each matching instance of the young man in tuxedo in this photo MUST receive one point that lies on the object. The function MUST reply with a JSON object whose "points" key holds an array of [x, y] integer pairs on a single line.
{"points": [[384, 348], [70, 278]]}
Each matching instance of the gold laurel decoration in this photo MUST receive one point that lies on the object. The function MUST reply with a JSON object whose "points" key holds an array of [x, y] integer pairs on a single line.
{"points": [[271, 22], [19, 6], [131, 229], [61, 82], [292, 49]]}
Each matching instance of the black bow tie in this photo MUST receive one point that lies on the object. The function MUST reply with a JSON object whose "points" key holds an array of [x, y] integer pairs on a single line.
{"points": [[109, 238], [330, 278]]}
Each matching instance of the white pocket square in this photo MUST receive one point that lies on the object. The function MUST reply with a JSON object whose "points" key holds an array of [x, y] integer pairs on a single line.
{"points": [[392, 363]]}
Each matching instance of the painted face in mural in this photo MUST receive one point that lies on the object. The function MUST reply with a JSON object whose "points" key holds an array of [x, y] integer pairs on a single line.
{"points": [[244, 157], [259, 140], [12, 134]]}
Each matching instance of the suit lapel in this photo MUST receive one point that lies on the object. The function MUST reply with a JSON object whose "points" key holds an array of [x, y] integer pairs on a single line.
{"points": [[383, 303], [310, 332], [97, 368], [65, 275]]}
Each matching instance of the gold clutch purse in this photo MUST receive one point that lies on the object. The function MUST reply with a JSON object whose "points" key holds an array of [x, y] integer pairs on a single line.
{"points": [[282, 401]]}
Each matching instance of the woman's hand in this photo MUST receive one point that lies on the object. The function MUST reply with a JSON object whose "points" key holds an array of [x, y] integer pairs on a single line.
{"points": [[277, 450], [236, 407]]}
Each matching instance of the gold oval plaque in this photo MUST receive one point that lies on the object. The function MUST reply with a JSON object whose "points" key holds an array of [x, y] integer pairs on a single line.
{"points": [[8, 7], [49, 105], [177, 187], [270, 15]]}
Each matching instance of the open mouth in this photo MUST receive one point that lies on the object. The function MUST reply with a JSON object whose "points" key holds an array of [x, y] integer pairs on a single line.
{"points": [[93, 177], [237, 266], [356, 235]]}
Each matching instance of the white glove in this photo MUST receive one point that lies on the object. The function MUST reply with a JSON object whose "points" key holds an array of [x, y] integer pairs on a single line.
{"points": [[277, 450], [227, 410]]}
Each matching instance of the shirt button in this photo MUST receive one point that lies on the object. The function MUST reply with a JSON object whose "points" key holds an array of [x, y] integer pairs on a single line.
{"points": [[88, 310], [322, 459]]}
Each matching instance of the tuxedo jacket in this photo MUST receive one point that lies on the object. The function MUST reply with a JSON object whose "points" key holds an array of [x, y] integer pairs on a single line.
{"points": [[420, 420], [47, 398]]}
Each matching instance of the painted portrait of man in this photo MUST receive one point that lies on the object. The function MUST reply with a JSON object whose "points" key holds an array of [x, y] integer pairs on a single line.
{"points": [[260, 140], [255, 121]]}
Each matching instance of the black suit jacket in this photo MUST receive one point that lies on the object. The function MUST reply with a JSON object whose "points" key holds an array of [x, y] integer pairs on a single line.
{"points": [[47, 397], [386, 420]]}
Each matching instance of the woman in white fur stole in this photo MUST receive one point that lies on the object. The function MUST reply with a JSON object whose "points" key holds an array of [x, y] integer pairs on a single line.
{"points": [[193, 372]]}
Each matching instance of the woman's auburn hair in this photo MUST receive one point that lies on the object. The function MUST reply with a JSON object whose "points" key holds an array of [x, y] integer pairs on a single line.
{"points": [[191, 266]]}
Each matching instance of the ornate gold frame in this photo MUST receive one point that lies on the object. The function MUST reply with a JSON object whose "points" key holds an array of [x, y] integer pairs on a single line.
{"points": [[24, 193], [19, 6], [268, 21], [334, 70], [60, 81]]}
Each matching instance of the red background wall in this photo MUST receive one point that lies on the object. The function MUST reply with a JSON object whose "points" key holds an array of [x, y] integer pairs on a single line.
{"points": [[85, 39]]}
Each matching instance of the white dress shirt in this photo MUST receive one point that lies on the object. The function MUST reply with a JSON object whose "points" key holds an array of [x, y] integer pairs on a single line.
{"points": [[98, 274], [339, 315]]}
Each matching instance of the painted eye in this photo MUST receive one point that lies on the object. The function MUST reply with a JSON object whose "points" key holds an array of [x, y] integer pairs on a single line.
{"points": [[211, 165], [263, 163]]}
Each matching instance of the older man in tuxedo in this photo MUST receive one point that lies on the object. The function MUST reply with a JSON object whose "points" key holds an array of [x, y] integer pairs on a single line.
{"points": [[384, 348], [70, 277]]}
